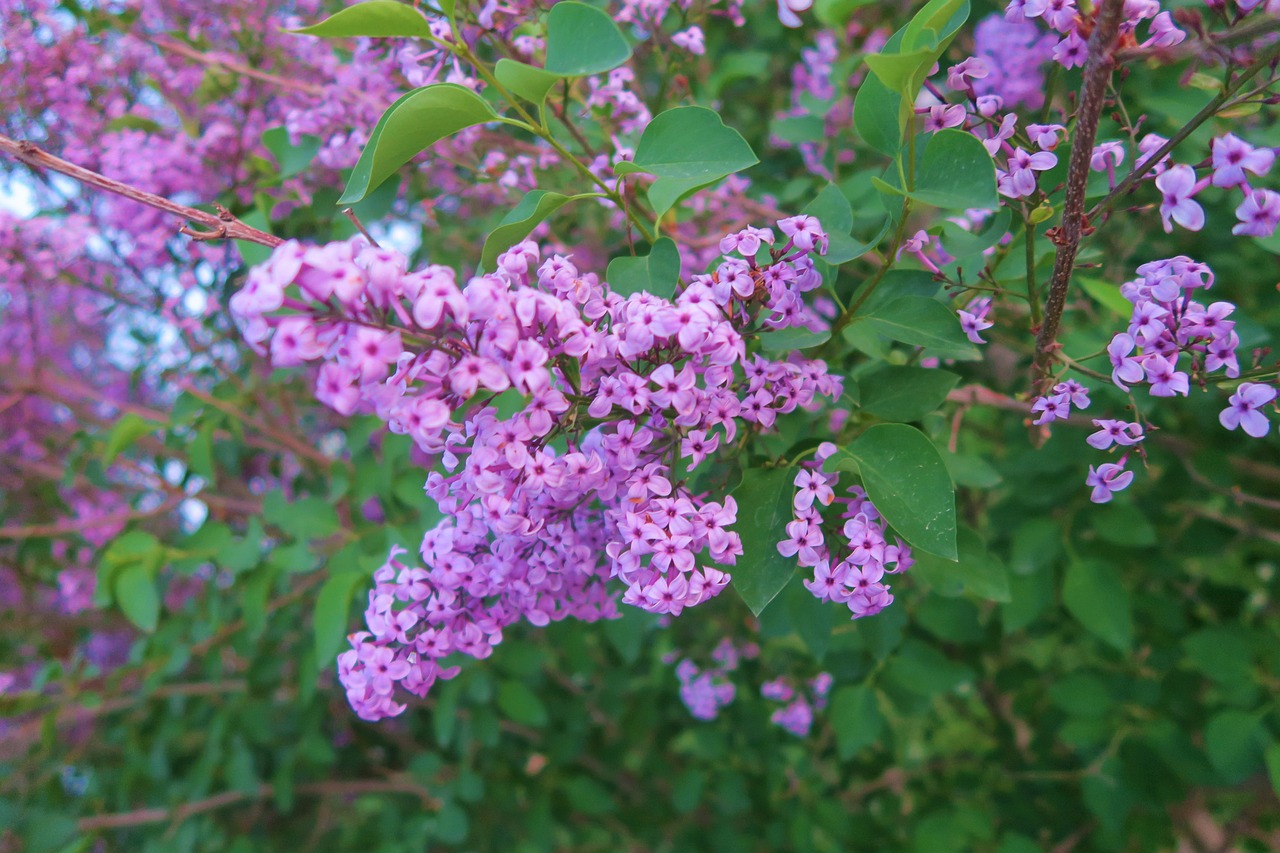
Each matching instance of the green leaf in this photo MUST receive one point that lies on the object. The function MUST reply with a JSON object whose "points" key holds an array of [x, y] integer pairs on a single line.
{"points": [[764, 509], [521, 705], [374, 19], [1094, 595], [413, 123], [686, 148], [1235, 741], [331, 614], [975, 571], [1105, 293], [306, 519], [536, 206], [875, 116], [528, 82], [923, 322], [900, 71], [855, 716], [124, 432], [836, 215], [1272, 759], [583, 40], [135, 591], [956, 172], [907, 481], [792, 338], [905, 393], [291, 158], [657, 272]]}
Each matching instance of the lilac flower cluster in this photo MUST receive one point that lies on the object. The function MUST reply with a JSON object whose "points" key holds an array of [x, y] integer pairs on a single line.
{"points": [[618, 403], [796, 714], [706, 691], [853, 573], [1057, 406]]}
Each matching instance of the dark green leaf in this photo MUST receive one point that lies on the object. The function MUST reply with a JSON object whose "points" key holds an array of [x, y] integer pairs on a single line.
{"points": [[907, 481], [332, 612], [413, 123], [764, 509], [374, 19], [657, 272], [1094, 595], [922, 322], [905, 393], [875, 115], [521, 705], [956, 172], [856, 718], [976, 571], [686, 148], [583, 40], [792, 338], [1235, 741]]}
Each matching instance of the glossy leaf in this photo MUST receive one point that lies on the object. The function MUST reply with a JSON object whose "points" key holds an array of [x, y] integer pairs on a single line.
{"points": [[1093, 594], [764, 509], [687, 148], [899, 393], [413, 123], [907, 481], [527, 81], [657, 272], [536, 206], [923, 322], [583, 40], [875, 116], [372, 19]]}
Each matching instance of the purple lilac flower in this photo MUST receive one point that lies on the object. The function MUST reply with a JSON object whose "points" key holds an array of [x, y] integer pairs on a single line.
{"points": [[1232, 157], [1259, 214], [1114, 432], [796, 717], [1177, 187], [1244, 407], [973, 319], [1107, 478], [1014, 54], [1019, 180]]}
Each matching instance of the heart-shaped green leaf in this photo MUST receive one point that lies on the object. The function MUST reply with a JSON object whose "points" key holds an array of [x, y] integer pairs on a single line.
{"points": [[656, 273], [536, 206], [583, 40]]}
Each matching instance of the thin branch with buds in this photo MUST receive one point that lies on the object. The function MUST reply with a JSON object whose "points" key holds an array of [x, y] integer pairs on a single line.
{"points": [[222, 225]]}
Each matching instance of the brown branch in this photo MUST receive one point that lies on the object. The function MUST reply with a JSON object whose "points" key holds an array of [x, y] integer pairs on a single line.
{"points": [[187, 52], [76, 525], [222, 225], [176, 815], [1097, 76]]}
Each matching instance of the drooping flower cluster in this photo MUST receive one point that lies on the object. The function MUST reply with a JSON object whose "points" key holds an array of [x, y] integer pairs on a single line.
{"points": [[617, 404], [849, 553], [1168, 323]]}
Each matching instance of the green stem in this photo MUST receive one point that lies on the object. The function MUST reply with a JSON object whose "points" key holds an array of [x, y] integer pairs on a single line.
{"points": [[1033, 287]]}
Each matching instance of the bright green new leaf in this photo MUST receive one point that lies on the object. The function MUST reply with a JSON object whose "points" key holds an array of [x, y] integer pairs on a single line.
{"points": [[373, 19], [764, 509], [923, 322], [135, 591], [935, 25], [413, 123], [657, 272], [686, 148], [898, 393], [583, 40], [332, 610], [907, 481], [1105, 293], [127, 430], [536, 206], [1094, 595], [899, 71], [528, 82]]}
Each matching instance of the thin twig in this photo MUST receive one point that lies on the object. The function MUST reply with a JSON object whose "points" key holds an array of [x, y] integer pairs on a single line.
{"points": [[222, 225], [1097, 74]]}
